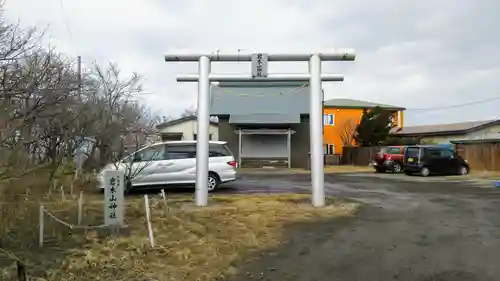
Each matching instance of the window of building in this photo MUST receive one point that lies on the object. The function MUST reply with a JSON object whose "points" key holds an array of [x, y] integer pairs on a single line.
{"points": [[195, 137], [329, 119], [329, 149]]}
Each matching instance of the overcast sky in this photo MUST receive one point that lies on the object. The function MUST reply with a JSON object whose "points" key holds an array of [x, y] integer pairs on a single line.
{"points": [[416, 54]]}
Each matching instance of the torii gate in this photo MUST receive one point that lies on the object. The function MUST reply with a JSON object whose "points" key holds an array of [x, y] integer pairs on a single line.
{"points": [[259, 73]]}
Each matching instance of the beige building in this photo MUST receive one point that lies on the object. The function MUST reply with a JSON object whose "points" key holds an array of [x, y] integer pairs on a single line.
{"points": [[184, 129], [445, 133]]}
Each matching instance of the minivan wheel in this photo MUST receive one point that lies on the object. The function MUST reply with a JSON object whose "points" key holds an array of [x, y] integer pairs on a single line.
{"points": [[424, 172], [213, 182], [396, 168], [463, 170]]}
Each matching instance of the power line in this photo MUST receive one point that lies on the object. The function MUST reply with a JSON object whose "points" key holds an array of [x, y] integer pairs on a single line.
{"points": [[65, 20], [454, 106]]}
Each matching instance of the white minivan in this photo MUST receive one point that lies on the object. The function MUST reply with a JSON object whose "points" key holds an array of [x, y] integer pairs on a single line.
{"points": [[174, 163]]}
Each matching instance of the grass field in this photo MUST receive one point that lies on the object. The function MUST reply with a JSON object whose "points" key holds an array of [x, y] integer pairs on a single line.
{"points": [[192, 243]]}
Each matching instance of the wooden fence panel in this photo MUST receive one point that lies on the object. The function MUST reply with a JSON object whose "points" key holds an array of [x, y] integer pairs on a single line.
{"points": [[481, 156], [332, 159], [359, 156]]}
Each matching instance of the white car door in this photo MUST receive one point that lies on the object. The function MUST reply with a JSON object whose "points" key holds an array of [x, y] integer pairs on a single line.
{"points": [[182, 163], [147, 165]]}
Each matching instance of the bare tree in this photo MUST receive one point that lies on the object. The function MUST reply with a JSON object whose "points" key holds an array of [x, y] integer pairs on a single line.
{"points": [[347, 129], [48, 112], [113, 111], [34, 83]]}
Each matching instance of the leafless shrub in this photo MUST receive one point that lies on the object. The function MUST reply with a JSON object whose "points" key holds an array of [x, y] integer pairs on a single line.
{"points": [[347, 131], [49, 112]]}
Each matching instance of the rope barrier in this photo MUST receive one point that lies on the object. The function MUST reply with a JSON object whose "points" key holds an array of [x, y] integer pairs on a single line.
{"points": [[43, 211], [72, 226]]}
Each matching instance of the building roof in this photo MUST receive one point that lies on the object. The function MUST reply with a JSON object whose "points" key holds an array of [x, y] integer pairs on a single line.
{"points": [[445, 129], [264, 119], [260, 102], [350, 103], [181, 120]]}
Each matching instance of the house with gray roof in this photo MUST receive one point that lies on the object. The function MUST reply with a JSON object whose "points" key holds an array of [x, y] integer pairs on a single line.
{"points": [[184, 128], [446, 133], [264, 124], [357, 104]]}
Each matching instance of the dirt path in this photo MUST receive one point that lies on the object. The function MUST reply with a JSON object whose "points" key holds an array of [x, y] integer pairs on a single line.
{"points": [[409, 229]]}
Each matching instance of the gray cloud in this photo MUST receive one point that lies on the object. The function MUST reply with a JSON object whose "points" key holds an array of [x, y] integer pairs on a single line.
{"points": [[415, 54]]}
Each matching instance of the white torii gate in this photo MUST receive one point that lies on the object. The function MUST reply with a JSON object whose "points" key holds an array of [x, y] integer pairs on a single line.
{"points": [[260, 74]]}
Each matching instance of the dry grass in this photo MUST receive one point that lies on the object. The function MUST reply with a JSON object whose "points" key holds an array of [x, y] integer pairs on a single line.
{"points": [[327, 170], [348, 169], [191, 243]]}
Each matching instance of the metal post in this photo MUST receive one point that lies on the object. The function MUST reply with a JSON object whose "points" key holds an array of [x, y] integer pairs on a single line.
{"points": [[80, 208], [239, 147], [79, 151], [289, 144], [40, 226], [202, 132], [316, 134]]}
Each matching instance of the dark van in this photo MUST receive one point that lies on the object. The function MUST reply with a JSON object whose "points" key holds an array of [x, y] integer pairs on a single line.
{"points": [[428, 159]]}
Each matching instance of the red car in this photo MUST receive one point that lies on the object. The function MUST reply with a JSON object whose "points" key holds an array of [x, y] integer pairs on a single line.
{"points": [[390, 158]]}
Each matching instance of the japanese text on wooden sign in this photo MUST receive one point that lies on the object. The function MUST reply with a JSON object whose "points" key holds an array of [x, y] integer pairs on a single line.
{"points": [[259, 65], [113, 197]]}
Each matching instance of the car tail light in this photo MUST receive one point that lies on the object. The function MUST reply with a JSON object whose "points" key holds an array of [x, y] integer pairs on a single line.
{"points": [[232, 163]]}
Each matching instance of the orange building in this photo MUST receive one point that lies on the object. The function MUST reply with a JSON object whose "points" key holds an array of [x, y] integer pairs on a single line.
{"points": [[340, 117]]}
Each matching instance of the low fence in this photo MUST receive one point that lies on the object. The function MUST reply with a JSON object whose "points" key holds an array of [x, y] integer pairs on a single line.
{"points": [[358, 156], [333, 159], [481, 156]]}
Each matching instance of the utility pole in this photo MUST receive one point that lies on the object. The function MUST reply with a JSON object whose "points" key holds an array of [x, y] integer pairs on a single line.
{"points": [[79, 73], [79, 144]]}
